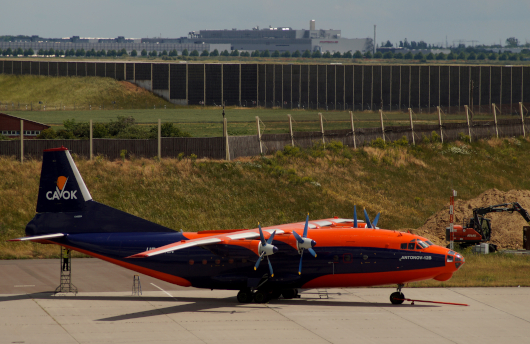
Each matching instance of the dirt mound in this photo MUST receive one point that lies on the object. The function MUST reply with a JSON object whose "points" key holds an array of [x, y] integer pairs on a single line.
{"points": [[507, 228]]}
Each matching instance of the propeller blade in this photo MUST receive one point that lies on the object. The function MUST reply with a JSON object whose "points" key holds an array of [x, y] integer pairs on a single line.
{"points": [[300, 265], [259, 261], [312, 252], [298, 237], [368, 223], [270, 267], [355, 217], [374, 223], [306, 226], [271, 238], [263, 242]]}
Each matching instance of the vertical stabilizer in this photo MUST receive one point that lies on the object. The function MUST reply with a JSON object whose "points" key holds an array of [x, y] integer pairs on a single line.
{"points": [[61, 187]]}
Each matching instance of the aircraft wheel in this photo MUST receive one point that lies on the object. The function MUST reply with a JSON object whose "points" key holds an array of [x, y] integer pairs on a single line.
{"points": [[397, 298], [275, 294], [244, 296], [289, 293], [261, 296]]}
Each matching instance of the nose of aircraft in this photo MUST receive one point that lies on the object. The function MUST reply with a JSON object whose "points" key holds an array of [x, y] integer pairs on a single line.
{"points": [[456, 258]]}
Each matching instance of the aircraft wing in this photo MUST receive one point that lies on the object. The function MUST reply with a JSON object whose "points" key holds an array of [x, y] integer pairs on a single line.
{"points": [[38, 237], [211, 240]]}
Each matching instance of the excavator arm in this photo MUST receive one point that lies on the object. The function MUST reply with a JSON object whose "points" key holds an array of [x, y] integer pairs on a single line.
{"points": [[478, 214]]}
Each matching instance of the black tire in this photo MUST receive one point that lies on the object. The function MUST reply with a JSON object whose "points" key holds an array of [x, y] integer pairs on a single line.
{"points": [[275, 294], [261, 296], [397, 298], [289, 293], [492, 248], [244, 296]]}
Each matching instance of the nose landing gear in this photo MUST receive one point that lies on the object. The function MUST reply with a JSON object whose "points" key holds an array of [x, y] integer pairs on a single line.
{"points": [[397, 298]]}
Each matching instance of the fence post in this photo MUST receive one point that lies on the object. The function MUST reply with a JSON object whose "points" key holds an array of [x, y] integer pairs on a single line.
{"points": [[21, 141], [353, 129], [522, 117], [159, 139], [440, 122], [291, 129], [495, 118], [322, 128], [466, 108], [259, 136], [412, 127], [91, 142], [225, 134], [382, 124]]}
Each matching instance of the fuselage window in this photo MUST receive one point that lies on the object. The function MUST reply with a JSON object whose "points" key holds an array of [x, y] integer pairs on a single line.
{"points": [[204, 262], [347, 258], [404, 246], [335, 258], [230, 261], [192, 262], [411, 245], [218, 261]]}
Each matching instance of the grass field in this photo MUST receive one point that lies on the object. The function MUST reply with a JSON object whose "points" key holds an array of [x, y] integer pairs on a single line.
{"points": [[109, 99], [408, 184]]}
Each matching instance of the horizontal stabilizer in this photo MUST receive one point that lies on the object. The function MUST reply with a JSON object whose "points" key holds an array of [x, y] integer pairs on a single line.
{"points": [[39, 237]]}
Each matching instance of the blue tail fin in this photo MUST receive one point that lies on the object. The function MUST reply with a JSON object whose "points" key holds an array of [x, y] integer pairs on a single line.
{"points": [[65, 206], [61, 187]]}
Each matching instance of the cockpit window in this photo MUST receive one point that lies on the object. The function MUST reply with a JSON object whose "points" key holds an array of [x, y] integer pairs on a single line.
{"points": [[449, 259], [404, 246], [451, 252], [428, 242], [413, 240], [411, 245], [422, 244]]}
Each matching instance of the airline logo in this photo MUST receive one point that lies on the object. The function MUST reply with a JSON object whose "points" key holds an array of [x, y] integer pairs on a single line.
{"points": [[60, 192]]}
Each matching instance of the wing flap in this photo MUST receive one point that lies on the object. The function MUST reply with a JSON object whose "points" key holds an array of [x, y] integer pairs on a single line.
{"points": [[176, 246], [180, 245]]}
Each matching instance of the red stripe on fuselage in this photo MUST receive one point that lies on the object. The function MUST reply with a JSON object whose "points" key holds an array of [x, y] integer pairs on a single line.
{"points": [[149, 272]]}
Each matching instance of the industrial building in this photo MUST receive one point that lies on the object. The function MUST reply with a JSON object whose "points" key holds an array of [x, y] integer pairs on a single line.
{"points": [[284, 39], [272, 38]]}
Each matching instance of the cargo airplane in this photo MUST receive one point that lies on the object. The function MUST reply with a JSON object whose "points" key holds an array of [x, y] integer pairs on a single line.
{"points": [[260, 263]]}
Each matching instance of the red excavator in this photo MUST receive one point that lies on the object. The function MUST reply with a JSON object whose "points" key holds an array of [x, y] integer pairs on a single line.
{"points": [[477, 229]]}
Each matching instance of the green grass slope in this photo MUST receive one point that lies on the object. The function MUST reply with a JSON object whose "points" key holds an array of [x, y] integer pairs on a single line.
{"points": [[57, 91]]}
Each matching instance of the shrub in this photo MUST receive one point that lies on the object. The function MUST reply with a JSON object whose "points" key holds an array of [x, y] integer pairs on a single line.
{"points": [[379, 143]]}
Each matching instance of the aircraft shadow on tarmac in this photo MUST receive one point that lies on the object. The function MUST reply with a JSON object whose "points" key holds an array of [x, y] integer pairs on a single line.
{"points": [[201, 304]]}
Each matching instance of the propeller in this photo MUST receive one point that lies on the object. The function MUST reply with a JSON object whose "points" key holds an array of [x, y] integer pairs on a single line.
{"points": [[265, 249], [355, 225], [371, 224], [304, 243]]}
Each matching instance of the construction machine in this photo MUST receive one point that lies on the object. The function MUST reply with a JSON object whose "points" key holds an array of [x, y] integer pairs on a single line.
{"points": [[477, 229]]}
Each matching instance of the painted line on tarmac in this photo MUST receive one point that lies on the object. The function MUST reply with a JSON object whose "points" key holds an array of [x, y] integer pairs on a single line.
{"points": [[154, 285]]}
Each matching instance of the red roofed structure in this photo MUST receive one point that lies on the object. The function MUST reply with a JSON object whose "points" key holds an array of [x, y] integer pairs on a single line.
{"points": [[10, 127]]}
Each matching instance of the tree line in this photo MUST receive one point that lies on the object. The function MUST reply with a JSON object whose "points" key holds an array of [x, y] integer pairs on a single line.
{"points": [[461, 54], [124, 128]]}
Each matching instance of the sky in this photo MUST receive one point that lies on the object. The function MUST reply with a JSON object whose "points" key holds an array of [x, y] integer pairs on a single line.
{"points": [[436, 22]]}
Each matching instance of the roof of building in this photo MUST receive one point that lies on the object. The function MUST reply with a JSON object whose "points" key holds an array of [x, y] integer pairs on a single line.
{"points": [[24, 119]]}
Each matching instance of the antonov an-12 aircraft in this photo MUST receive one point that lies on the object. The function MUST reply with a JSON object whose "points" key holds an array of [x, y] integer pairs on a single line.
{"points": [[261, 263]]}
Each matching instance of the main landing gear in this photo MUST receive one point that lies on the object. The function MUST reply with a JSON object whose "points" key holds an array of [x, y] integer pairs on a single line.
{"points": [[264, 296], [397, 297]]}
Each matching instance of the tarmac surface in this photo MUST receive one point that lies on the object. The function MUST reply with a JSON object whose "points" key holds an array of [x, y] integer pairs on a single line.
{"points": [[104, 311]]}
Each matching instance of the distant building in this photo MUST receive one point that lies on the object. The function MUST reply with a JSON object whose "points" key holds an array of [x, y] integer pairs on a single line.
{"points": [[284, 39], [272, 38], [10, 127]]}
